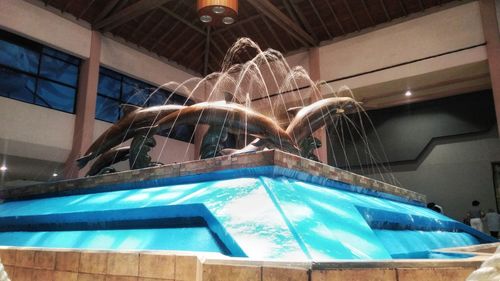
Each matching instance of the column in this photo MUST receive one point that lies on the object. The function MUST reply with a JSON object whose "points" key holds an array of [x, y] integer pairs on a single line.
{"points": [[491, 35], [85, 107], [314, 73]]}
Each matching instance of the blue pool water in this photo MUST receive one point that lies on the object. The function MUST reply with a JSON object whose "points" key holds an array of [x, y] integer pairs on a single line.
{"points": [[255, 214]]}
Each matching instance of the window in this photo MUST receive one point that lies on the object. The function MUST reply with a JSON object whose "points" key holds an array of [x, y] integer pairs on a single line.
{"points": [[33, 73], [115, 89]]}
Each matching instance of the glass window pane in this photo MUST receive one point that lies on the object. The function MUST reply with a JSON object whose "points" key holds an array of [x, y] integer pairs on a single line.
{"points": [[108, 86], [16, 85], [110, 73], [158, 98], [107, 109], [59, 70], [135, 93], [55, 96], [18, 57], [61, 55]]}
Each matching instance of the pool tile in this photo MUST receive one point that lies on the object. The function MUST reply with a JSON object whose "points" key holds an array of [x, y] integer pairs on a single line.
{"points": [[284, 274], [90, 277], [187, 268], [8, 256], [45, 260], [157, 266], [43, 274], [93, 262], [434, 274], [25, 258], [67, 261], [65, 276], [355, 275], [126, 264], [214, 272]]}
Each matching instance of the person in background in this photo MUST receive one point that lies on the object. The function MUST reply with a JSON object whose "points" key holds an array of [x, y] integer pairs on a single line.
{"points": [[466, 220], [476, 216], [493, 222]]}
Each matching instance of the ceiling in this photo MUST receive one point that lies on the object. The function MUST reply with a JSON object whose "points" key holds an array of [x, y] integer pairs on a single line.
{"points": [[172, 29]]}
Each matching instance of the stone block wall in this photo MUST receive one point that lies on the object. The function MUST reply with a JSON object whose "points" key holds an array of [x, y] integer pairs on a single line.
{"points": [[23, 264]]}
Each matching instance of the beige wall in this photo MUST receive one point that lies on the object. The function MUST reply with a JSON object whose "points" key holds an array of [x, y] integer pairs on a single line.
{"points": [[41, 25], [440, 32], [36, 132]]}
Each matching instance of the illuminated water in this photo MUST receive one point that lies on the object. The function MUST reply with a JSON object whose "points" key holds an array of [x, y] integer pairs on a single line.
{"points": [[253, 215]]}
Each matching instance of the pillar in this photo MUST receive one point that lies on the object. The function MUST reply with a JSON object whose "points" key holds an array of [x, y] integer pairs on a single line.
{"points": [[491, 35], [85, 107], [314, 73]]}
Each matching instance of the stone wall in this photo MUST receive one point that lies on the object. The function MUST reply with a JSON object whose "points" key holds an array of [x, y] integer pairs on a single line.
{"points": [[26, 264]]}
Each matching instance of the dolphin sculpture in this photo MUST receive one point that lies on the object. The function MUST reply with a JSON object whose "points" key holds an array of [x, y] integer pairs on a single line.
{"points": [[235, 117], [134, 118], [108, 158], [318, 114], [306, 121]]}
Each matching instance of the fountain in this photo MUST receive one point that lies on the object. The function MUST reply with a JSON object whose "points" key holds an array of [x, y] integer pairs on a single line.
{"points": [[269, 198]]}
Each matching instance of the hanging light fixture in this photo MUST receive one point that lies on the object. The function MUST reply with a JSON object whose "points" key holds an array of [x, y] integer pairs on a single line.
{"points": [[218, 12]]}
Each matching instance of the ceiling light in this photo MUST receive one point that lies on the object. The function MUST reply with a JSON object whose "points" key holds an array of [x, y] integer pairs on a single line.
{"points": [[206, 18], [408, 93], [3, 168], [228, 20], [218, 9], [217, 12], [55, 175]]}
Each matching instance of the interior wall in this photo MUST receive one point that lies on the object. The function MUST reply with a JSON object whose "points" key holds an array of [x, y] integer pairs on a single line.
{"points": [[455, 172], [452, 163]]}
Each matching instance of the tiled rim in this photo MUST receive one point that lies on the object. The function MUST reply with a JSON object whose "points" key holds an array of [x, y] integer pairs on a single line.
{"points": [[219, 259], [158, 175]]}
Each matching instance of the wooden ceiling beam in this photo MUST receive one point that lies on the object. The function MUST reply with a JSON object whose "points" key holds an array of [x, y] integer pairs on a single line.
{"points": [[269, 10], [156, 44], [207, 52], [384, 7], [143, 22], [368, 12], [421, 5], [320, 19], [138, 9], [85, 10], [273, 32], [152, 31], [352, 15], [334, 14], [184, 21], [106, 10], [66, 6], [182, 47], [303, 21], [259, 33], [405, 12]]}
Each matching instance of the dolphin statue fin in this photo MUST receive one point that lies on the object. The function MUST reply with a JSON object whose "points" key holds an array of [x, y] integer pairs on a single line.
{"points": [[82, 161], [228, 97], [150, 130], [293, 110], [129, 108]]}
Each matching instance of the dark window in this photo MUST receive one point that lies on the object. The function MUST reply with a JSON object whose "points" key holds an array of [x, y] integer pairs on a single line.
{"points": [[37, 74], [115, 89]]}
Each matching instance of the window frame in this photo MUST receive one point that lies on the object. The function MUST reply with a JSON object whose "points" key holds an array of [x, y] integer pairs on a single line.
{"points": [[37, 76]]}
